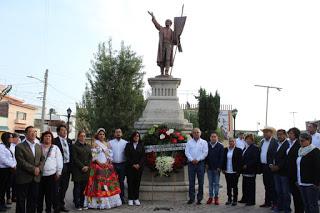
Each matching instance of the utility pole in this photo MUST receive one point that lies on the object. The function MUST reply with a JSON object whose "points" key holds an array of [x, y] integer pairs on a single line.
{"points": [[294, 122], [44, 99], [267, 102]]}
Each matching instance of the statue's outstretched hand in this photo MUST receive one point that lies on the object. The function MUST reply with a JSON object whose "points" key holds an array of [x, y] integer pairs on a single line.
{"points": [[151, 14]]}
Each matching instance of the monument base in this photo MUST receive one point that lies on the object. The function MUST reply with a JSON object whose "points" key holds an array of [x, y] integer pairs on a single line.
{"points": [[173, 188], [163, 108]]}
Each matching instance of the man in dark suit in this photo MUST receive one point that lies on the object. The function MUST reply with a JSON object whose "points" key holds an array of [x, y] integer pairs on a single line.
{"points": [[280, 175], [65, 146], [268, 149], [30, 162], [292, 155]]}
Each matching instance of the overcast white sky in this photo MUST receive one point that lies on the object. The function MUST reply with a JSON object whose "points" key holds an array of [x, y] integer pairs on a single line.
{"points": [[228, 46]]}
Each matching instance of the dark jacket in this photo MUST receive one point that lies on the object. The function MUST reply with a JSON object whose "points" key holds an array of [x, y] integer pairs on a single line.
{"points": [[272, 149], [81, 157], [135, 156], [292, 161], [280, 159], [26, 163], [236, 160], [214, 159], [251, 159], [310, 167], [58, 143]]}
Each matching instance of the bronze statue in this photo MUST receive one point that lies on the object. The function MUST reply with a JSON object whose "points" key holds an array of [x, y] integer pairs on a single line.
{"points": [[165, 48]]}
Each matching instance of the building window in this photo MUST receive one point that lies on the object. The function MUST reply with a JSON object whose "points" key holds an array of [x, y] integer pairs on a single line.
{"points": [[21, 116]]}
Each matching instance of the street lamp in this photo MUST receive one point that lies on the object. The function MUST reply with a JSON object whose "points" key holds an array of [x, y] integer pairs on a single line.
{"points": [[69, 114], [234, 113], [268, 87]]}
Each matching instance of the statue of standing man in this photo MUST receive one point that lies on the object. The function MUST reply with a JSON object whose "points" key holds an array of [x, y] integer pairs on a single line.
{"points": [[165, 48]]}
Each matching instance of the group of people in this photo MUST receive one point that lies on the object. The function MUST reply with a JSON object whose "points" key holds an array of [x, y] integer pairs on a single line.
{"points": [[289, 162], [34, 172]]}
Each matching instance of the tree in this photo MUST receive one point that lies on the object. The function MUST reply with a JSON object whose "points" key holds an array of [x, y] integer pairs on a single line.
{"points": [[114, 96], [208, 112]]}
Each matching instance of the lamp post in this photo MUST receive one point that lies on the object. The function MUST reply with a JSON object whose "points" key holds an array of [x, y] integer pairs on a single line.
{"points": [[51, 110], [268, 87], [68, 114], [234, 113]]}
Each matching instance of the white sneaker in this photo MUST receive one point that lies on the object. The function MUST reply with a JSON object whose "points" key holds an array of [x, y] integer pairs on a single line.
{"points": [[137, 202], [130, 202]]}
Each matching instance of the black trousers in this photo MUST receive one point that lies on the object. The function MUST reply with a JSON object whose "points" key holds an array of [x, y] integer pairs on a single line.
{"points": [[296, 195], [249, 190], [48, 191], [4, 182], [268, 182], [27, 194], [78, 193], [133, 179], [64, 184], [121, 171], [232, 185], [11, 189]]}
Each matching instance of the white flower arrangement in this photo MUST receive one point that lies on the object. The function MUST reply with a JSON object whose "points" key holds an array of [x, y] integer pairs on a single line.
{"points": [[164, 165]]}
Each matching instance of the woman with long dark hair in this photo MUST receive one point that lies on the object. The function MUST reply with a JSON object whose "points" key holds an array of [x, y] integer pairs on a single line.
{"points": [[103, 189], [135, 156]]}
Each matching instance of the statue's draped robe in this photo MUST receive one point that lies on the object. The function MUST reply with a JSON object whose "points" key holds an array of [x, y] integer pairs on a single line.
{"points": [[161, 52]]}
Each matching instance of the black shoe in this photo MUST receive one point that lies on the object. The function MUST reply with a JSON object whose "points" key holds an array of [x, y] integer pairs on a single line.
{"points": [[63, 209], [265, 205], [190, 201], [250, 204], [228, 202], [199, 202], [234, 203], [242, 201]]}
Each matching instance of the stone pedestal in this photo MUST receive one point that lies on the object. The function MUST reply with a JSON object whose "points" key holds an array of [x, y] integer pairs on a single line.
{"points": [[163, 108], [173, 188]]}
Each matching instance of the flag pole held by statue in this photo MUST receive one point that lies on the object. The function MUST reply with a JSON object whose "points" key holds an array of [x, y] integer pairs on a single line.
{"points": [[179, 23]]}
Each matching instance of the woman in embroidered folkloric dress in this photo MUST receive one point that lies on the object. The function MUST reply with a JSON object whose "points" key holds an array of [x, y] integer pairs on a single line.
{"points": [[103, 189]]}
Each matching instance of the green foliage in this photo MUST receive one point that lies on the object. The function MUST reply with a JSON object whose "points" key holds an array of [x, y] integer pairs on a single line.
{"points": [[114, 96], [192, 116], [209, 108]]}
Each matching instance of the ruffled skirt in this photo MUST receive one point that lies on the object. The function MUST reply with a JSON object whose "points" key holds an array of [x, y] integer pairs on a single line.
{"points": [[103, 189]]}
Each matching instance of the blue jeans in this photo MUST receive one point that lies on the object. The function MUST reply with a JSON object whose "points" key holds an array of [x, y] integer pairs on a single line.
{"points": [[214, 179], [194, 170], [283, 193], [309, 196]]}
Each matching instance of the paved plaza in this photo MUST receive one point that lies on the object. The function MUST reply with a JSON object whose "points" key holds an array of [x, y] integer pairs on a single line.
{"points": [[181, 206]]}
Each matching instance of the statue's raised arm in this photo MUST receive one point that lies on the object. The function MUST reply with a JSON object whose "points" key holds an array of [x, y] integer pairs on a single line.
{"points": [[156, 24]]}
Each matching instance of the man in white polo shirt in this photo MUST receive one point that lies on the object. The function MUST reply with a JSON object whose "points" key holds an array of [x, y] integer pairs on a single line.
{"points": [[196, 152], [119, 160]]}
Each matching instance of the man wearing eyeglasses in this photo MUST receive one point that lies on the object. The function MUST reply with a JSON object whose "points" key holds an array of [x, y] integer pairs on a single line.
{"points": [[64, 145]]}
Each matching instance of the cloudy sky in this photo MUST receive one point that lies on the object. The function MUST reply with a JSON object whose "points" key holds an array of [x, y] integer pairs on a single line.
{"points": [[228, 46]]}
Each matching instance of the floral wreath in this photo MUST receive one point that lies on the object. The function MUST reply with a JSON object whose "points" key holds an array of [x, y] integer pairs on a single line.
{"points": [[165, 162]]}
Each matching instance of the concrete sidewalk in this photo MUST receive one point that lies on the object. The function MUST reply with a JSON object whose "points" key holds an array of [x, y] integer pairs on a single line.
{"points": [[181, 206]]}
